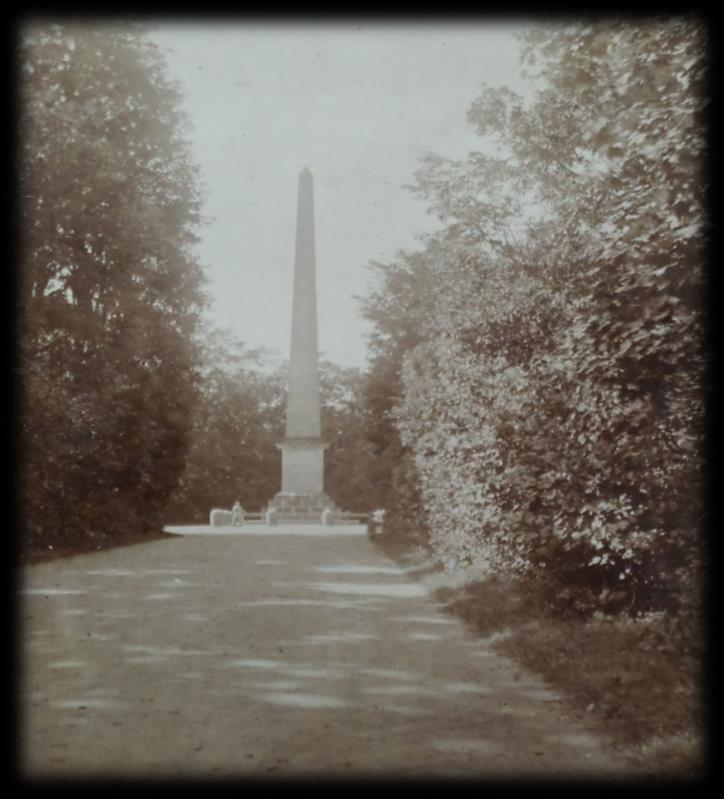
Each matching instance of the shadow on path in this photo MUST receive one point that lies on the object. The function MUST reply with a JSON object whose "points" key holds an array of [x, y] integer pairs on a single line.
{"points": [[283, 654]]}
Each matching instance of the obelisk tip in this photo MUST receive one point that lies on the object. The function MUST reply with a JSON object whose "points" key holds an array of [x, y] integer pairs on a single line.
{"points": [[305, 173]]}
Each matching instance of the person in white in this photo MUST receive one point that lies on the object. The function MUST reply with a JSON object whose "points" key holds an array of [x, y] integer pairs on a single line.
{"points": [[237, 514]]}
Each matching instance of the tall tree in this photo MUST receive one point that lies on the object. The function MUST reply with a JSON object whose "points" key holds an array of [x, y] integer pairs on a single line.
{"points": [[555, 404], [401, 308], [238, 420], [349, 462], [110, 289]]}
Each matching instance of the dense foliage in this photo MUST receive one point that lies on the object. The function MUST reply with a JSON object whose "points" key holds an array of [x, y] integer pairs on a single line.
{"points": [[553, 391], [400, 308], [110, 291], [237, 421], [349, 461]]}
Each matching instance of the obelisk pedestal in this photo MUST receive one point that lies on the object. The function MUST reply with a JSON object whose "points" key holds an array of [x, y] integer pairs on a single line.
{"points": [[302, 496]]}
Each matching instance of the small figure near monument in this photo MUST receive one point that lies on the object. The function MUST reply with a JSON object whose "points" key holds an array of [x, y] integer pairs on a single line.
{"points": [[237, 514], [328, 517], [376, 522], [272, 517]]}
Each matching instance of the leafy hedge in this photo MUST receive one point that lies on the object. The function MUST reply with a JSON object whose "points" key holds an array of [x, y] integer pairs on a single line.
{"points": [[554, 399]]}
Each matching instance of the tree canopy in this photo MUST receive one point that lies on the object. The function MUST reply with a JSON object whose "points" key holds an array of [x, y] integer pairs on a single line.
{"points": [[552, 391], [110, 288]]}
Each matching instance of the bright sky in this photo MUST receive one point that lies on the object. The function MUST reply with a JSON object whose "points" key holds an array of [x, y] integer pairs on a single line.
{"points": [[358, 105]]}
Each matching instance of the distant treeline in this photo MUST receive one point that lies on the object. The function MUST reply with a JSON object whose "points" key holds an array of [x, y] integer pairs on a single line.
{"points": [[238, 421]]}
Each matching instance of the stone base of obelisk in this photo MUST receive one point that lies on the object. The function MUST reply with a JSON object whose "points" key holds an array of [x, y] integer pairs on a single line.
{"points": [[308, 508]]}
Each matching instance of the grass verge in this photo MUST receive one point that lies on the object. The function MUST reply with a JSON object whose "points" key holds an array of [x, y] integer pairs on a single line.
{"points": [[32, 556], [639, 685]]}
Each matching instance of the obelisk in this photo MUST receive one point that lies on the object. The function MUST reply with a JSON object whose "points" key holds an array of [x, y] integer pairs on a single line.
{"points": [[302, 492], [303, 384]]}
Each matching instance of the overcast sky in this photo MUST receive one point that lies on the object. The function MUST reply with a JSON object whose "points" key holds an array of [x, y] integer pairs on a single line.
{"points": [[358, 105]]}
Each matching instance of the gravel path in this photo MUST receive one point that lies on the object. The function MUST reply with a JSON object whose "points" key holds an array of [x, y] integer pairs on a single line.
{"points": [[272, 654]]}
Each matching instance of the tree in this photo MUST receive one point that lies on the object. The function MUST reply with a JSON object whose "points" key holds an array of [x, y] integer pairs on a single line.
{"points": [[110, 289], [402, 309], [238, 420], [554, 405], [349, 462]]}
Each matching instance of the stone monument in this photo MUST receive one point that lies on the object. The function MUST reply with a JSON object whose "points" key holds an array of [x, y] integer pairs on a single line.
{"points": [[302, 496]]}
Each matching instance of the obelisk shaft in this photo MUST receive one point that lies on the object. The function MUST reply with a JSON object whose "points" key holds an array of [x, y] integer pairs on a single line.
{"points": [[302, 448], [303, 398]]}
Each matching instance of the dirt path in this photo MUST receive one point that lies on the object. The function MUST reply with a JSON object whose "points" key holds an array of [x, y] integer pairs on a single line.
{"points": [[272, 655]]}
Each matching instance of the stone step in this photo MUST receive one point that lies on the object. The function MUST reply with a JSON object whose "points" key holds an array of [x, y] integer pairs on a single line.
{"points": [[311, 510], [301, 505]]}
